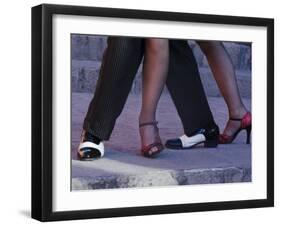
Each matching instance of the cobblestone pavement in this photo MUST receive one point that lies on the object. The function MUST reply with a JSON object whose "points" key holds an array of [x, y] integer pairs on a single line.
{"points": [[125, 141]]}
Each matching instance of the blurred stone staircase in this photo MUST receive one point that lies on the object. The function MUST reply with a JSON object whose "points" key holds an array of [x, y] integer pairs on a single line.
{"points": [[87, 54]]}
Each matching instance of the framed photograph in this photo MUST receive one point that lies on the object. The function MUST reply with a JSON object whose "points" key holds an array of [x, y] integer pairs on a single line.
{"points": [[139, 112]]}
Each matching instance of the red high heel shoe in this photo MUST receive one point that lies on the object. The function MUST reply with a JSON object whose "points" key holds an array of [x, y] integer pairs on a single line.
{"points": [[246, 124], [152, 149]]}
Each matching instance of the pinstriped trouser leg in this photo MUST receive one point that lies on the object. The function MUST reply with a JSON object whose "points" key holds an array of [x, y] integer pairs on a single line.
{"points": [[185, 86], [119, 67]]}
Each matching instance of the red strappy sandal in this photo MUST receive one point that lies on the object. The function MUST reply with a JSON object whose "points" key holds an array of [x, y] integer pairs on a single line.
{"points": [[246, 124], [155, 148]]}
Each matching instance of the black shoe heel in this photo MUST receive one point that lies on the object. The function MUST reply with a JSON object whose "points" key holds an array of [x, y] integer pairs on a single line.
{"points": [[211, 143], [248, 129]]}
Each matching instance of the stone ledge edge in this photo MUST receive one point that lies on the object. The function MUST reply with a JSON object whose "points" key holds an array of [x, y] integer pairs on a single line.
{"points": [[164, 178]]}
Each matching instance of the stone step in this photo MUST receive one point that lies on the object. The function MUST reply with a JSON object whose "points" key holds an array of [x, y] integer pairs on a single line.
{"points": [[91, 47], [123, 166], [180, 167]]}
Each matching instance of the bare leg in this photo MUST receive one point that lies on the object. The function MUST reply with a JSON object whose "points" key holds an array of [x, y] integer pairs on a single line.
{"points": [[155, 69], [224, 73]]}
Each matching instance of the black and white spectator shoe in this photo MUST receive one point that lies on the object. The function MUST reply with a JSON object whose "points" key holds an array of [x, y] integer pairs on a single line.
{"points": [[207, 136], [90, 147]]}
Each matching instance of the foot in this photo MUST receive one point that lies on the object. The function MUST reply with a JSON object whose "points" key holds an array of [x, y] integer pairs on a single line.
{"points": [[90, 147], [242, 123], [232, 125], [151, 143], [208, 136]]}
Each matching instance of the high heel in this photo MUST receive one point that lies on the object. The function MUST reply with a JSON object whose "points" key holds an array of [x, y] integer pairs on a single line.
{"points": [[246, 124], [248, 129], [155, 148]]}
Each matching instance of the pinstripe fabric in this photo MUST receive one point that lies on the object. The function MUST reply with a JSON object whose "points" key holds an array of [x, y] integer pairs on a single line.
{"points": [[186, 89], [119, 66]]}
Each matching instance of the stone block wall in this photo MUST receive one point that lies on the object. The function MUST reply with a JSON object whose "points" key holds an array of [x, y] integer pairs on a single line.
{"points": [[87, 54]]}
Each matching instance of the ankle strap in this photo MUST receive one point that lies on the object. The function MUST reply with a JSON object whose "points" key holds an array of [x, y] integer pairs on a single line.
{"points": [[148, 123], [248, 114], [235, 119]]}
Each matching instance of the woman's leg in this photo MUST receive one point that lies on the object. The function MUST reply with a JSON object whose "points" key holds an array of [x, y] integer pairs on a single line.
{"points": [[224, 73], [155, 69]]}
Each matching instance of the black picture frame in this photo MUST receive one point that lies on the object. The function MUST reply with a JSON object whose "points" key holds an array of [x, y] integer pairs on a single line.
{"points": [[42, 111]]}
